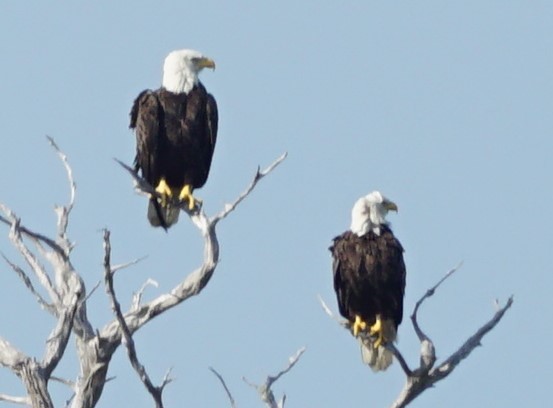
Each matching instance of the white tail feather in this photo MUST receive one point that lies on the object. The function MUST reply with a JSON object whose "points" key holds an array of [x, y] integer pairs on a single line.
{"points": [[378, 359]]}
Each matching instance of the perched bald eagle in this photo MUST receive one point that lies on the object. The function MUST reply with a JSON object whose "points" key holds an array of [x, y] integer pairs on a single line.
{"points": [[176, 131], [369, 278]]}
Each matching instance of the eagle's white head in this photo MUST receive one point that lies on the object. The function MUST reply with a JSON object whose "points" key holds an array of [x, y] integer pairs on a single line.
{"points": [[181, 69], [369, 213]]}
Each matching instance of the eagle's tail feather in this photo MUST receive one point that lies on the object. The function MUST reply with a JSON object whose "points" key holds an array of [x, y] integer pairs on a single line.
{"points": [[162, 216], [379, 358], [373, 351]]}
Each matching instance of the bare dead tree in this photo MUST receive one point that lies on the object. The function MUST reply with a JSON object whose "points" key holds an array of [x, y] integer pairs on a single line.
{"points": [[427, 374], [67, 299]]}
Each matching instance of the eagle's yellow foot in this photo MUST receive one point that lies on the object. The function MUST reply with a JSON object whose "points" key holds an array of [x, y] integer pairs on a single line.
{"points": [[186, 195], [164, 191], [376, 330], [358, 325]]}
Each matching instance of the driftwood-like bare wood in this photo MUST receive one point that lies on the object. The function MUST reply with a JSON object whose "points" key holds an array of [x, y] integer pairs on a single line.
{"points": [[66, 301], [426, 375]]}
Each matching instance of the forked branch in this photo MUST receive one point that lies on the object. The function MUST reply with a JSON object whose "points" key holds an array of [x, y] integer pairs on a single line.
{"points": [[196, 281], [125, 325], [265, 391], [426, 375], [155, 392]]}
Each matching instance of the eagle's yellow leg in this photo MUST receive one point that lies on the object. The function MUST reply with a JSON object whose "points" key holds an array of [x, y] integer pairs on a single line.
{"points": [[377, 330], [186, 195], [358, 325], [164, 190]]}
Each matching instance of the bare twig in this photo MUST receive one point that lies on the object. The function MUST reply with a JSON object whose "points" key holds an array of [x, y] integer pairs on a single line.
{"points": [[342, 322], [127, 340], [57, 342], [137, 297], [258, 176], [16, 400], [229, 395], [428, 294], [141, 185], [399, 357], [428, 351], [94, 288], [64, 211], [116, 268], [471, 343], [38, 269], [27, 281], [265, 391], [31, 234], [69, 383]]}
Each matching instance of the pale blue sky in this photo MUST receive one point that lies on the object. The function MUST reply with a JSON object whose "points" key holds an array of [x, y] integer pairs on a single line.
{"points": [[444, 107]]}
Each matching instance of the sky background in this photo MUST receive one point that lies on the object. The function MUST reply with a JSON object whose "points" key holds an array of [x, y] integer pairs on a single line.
{"points": [[443, 106]]}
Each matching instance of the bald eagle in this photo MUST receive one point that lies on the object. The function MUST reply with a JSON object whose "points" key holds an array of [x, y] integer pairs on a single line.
{"points": [[176, 131], [369, 278]]}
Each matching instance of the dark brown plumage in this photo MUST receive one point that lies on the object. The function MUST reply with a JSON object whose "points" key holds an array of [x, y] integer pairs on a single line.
{"points": [[369, 276], [176, 135]]}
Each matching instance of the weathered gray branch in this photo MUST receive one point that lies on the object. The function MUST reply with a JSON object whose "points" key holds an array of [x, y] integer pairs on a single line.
{"points": [[15, 236], [15, 400], [194, 283], [64, 211], [430, 292], [29, 284], [137, 297], [58, 339], [29, 371], [128, 341], [65, 292], [265, 391], [28, 233], [424, 378], [10, 356], [222, 381], [258, 176]]}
